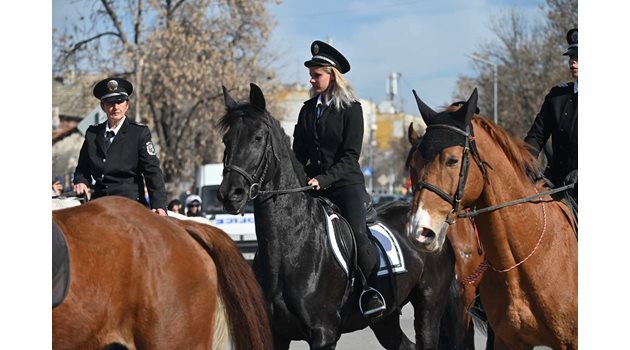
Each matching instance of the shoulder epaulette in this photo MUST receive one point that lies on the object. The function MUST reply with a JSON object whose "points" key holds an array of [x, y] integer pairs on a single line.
{"points": [[136, 123]]}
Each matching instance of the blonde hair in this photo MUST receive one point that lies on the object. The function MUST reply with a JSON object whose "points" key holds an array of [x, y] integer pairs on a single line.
{"points": [[339, 89]]}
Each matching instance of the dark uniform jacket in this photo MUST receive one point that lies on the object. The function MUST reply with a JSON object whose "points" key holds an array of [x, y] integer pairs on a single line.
{"points": [[120, 169], [558, 117], [329, 147]]}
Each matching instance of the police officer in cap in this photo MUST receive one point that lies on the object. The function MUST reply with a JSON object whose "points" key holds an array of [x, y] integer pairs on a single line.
{"points": [[327, 141], [558, 118], [118, 156]]}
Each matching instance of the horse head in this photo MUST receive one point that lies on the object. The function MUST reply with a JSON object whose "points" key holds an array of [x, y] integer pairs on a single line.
{"points": [[250, 159], [438, 165]]}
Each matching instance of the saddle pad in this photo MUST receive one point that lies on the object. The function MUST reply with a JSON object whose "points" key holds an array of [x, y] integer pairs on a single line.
{"points": [[383, 235], [392, 248]]}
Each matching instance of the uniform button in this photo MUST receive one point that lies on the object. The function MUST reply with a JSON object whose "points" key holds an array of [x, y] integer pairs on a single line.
{"points": [[104, 160], [102, 176], [319, 162]]}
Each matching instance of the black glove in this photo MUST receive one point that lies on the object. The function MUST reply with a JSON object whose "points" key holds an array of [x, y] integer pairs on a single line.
{"points": [[572, 178]]}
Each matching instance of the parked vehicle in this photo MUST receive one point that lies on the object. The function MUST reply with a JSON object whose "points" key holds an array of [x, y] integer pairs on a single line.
{"points": [[241, 228]]}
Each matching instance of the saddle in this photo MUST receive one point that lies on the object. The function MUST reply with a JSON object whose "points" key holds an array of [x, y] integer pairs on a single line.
{"points": [[60, 266]]}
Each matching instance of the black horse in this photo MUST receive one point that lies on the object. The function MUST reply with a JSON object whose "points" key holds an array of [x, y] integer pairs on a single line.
{"points": [[310, 296]]}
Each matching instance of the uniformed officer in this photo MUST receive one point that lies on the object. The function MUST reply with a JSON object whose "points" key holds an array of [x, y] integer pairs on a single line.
{"points": [[558, 118], [118, 156], [327, 141]]}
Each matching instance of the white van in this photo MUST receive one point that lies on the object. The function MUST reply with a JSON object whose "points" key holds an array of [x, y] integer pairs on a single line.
{"points": [[240, 227]]}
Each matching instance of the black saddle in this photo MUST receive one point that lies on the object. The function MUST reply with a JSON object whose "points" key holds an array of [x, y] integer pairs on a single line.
{"points": [[60, 266]]}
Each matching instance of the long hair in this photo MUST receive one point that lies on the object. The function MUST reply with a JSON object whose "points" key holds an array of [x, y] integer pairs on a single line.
{"points": [[339, 89]]}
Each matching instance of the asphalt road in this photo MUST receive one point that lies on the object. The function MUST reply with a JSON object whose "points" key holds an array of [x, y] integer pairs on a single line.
{"points": [[365, 339]]}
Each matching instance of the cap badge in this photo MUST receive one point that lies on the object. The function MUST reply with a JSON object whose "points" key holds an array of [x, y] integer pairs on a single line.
{"points": [[315, 49], [112, 85], [574, 37]]}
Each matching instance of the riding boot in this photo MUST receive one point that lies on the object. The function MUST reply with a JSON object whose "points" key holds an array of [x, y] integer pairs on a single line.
{"points": [[371, 302]]}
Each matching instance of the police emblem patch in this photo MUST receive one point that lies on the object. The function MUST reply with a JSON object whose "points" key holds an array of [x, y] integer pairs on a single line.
{"points": [[315, 49], [150, 148]]}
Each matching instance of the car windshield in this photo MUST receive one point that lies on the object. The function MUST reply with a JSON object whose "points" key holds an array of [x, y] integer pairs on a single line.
{"points": [[211, 204]]}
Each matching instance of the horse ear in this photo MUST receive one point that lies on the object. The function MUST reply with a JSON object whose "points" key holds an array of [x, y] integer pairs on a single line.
{"points": [[256, 97], [428, 114], [412, 135], [471, 106], [229, 101]]}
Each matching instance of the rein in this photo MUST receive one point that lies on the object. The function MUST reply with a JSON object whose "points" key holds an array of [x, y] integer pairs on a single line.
{"points": [[473, 213]]}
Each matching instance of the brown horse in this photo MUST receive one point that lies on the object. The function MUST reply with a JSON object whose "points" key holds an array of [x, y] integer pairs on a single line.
{"points": [[530, 290], [141, 281], [469, 256]]}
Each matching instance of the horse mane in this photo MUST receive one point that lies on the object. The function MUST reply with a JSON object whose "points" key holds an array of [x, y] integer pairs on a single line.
{"points": [[515, 149], [279, 137]]}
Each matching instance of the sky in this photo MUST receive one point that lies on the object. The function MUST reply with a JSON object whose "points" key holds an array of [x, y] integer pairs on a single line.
{"points": [[425, 41]]}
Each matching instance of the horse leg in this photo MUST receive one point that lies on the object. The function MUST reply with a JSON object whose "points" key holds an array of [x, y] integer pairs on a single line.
{"points": [[426, 323], [468, 343], [389, 334], [281, 343], [323, 339], [490, 340]]}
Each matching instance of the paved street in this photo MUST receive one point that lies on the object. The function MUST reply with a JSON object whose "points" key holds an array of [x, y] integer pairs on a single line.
{"points": [[365, 339]]}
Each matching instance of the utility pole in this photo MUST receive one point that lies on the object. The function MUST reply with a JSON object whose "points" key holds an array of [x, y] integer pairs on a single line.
{"points": [[494, 75]]}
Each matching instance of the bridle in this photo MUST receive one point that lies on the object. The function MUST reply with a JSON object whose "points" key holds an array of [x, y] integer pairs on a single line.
{"points": [[256, 180], [470, 147]]}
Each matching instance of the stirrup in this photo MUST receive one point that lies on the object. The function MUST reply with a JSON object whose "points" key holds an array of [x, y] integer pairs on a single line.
{"points": [[371, 312]]}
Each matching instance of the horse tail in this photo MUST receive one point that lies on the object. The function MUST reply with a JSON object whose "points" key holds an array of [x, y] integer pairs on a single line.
{"points": [[452, 324], [239, 291]]}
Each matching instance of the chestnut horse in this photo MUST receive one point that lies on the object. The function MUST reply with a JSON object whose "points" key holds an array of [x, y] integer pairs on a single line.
{"points": [[529, 237], [141, 281], [469, 256]]}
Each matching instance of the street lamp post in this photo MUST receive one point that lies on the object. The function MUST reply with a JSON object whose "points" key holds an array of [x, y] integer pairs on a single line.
{"points": [[494, 75]]}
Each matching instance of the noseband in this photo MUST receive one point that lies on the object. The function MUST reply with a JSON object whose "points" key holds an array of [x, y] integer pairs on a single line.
{"points": [[256, 180]]}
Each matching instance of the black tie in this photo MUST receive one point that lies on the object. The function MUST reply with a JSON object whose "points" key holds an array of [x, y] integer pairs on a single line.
{"points": [[108, 139]]}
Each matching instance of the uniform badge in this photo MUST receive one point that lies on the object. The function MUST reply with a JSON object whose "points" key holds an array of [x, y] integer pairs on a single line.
{"points": [[150, 148], [112, 85], [315, 49]]}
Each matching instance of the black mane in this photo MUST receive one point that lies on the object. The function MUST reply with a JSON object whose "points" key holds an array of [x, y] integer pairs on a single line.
{"points": [[279, 136]]}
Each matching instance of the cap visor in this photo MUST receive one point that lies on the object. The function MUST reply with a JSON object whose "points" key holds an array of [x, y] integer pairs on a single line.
{"points": [[112, 99], [317, 63], [571, 52]]}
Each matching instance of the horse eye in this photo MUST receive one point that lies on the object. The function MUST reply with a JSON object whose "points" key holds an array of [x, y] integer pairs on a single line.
{"points": [[451, 161], [258, 138]]}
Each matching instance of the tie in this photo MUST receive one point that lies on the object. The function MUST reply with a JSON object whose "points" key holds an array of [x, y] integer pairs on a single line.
{"points": [[108, 138]]}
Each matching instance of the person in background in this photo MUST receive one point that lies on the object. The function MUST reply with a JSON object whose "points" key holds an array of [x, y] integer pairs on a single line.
{"points": [[57, 187], [558, 119], [193, 205], [175, 206], [118, 155], [327, 141]]}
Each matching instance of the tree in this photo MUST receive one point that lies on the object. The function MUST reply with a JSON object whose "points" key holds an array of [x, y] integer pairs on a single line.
{"points": [[178, 54], [530, 62]]}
